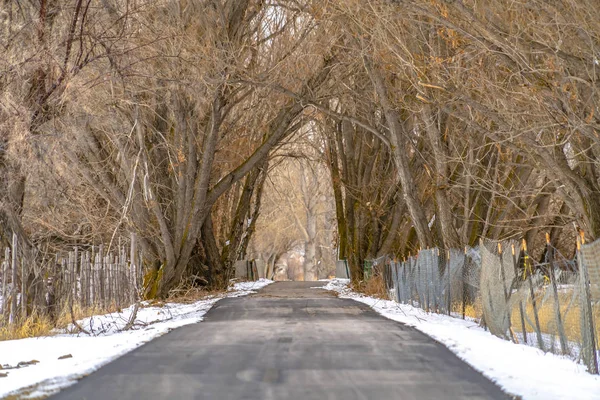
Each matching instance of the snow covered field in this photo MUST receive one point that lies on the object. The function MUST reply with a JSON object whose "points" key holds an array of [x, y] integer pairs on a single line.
{"points": [[58, 361], [519, 369]]}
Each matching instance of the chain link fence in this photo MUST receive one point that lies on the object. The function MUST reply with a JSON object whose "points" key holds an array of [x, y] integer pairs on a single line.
{"points": [[552, 303]]}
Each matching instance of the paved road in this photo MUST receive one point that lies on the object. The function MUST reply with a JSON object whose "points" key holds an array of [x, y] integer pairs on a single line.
{"points": [[288, 342]]}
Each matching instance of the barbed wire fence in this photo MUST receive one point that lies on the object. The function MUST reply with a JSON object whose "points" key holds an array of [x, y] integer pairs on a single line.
{"points": [[553, 304]]}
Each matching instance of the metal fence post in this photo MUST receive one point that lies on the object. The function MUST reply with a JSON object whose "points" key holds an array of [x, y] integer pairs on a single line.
{"points": [[521, 311], [588, 350], [561, 329], [538, 329], [507, 292]]}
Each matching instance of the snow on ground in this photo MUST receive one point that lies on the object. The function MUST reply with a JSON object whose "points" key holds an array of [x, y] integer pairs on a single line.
{"points": [[245, 288], [89, 352], [519, 369]]}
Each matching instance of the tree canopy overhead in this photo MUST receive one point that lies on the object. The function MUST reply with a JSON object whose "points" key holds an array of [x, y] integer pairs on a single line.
{"points": [[438, 122]]}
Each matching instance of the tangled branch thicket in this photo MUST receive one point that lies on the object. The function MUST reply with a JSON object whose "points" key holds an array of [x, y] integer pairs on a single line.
{"points": [[440, 122]]}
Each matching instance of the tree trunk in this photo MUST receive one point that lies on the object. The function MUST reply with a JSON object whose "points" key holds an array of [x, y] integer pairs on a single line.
{"points": [[336, 183], [449, 236], [400, 149], [310, 251]]}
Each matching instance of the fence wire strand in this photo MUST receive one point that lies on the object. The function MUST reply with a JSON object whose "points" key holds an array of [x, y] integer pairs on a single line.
{"points": [[552, 304]]}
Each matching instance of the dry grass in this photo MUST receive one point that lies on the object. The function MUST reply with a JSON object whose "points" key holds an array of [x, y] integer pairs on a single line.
{"points": [[38, 324], [571, 318], [192, 294], [474, 310], [373, 287], [35, 325]]}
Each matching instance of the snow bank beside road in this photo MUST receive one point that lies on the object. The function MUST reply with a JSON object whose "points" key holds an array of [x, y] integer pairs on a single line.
{"points": [[84, 354], [519, 369]]}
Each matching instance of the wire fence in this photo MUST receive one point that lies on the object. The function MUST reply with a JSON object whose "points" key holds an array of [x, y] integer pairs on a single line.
{"points": [[552, 304], [86, 276]]}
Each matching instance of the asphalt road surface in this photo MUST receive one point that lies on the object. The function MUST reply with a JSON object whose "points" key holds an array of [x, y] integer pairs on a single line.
{"points": [[288, 342]]}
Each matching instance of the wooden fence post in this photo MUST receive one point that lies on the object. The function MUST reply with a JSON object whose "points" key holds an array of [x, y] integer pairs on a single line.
{"points": [[82, 280], [102, 293], [13, 307], [107, 291], [133, 269], [94, 279], [23, 289], [89, 279], [75, 273], [4, 286]]}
